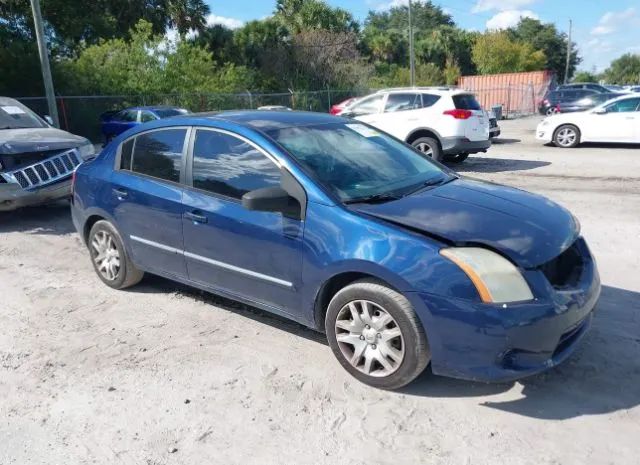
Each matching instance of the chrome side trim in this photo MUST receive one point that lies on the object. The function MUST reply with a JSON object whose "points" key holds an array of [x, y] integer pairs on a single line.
{"points": [[157, 245], [237, 269], [210, 261]]}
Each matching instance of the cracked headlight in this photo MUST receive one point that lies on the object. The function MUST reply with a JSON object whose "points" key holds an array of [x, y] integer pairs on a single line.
{"points": [[87, 151], [496, 278]]}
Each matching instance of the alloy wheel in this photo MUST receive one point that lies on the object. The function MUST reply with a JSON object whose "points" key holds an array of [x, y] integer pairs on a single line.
{"points": [[106, 255], [369, 338], [566, 137], [425, 148]]}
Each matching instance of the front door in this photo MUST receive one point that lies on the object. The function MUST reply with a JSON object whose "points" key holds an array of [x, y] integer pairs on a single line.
{"points": [[146, 199], [618, 124], [255, 255]]}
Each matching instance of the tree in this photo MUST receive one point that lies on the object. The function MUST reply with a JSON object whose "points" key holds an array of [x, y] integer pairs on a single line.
{"points": [[553, 43], [495, 52], [624, 70], [585, 76], [186, 15], [301, 15]]}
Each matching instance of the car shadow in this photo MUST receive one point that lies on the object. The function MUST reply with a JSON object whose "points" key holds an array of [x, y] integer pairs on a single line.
{"points": [[603, 375], [504, 141], [602, 145], [54, 219], [481, 164], [152, 284]]}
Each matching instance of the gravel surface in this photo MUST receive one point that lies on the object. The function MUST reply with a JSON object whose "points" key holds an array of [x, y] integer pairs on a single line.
{"points": [[165, 374]]}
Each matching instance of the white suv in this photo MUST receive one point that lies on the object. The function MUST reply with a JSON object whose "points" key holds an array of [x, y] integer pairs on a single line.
{"points": [[441, 122]]}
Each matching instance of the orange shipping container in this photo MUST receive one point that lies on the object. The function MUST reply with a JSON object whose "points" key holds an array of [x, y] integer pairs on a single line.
{"points": [[517, 93]]}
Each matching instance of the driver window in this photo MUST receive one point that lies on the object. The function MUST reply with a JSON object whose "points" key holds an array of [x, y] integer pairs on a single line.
{"points": [[624, 106], [367, 106], [147, 116], [402, 102]]}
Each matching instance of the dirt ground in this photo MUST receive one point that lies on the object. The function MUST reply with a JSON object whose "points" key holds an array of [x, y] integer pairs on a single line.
{"points": [[164, 374]]}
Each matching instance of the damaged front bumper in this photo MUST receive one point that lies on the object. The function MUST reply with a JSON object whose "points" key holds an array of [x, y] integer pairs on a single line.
{"points": [[12, 196]]}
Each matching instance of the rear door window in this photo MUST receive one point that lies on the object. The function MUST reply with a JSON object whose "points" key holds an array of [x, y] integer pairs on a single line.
{"points": [[466, 102], [429, 99], [147, 116], [159, 154]]}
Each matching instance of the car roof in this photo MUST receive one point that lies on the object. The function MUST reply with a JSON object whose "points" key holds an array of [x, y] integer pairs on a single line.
{"points": [[267, 120], [8, 101], [152, 107], [442, 90]]}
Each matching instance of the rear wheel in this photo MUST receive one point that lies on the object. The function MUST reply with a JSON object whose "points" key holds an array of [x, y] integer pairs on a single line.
{"points": [[429, 147], [376, 336], [566, 136], [552, 111], [109, 257]]}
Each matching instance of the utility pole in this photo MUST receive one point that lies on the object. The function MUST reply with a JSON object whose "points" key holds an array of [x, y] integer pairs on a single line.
{"points": [[44, 62], [566, 68], [412, 56]]}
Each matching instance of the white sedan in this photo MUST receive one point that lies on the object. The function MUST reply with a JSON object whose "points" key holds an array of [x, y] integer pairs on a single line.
{"points": [[616, 120]]}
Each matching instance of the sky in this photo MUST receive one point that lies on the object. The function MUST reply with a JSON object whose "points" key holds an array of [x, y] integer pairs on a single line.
{"points": [[603, 29]]}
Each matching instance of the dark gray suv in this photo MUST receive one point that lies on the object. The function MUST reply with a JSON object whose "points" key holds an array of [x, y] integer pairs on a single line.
{"points": [[36, 159]]}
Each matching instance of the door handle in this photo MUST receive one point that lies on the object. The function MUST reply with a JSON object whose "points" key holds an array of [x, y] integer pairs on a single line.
{"points": [[121, 193], [196, 217]]}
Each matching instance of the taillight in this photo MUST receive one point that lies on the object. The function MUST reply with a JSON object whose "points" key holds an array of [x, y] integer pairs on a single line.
{"points": [[459, 114]]}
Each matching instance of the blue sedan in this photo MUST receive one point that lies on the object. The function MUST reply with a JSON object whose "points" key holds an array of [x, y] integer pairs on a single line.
{"points": [[113, 123], [336, 225]]}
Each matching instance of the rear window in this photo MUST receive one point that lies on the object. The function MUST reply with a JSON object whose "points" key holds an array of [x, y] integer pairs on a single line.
{"points": [[466, 102]]}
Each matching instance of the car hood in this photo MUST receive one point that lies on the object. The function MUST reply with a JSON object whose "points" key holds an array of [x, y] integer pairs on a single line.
{"points": [[527, 228], [15, 141]]}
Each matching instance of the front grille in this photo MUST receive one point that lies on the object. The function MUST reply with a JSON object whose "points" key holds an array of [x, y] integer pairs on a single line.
{"points": [[565, 270], [45, 172]]}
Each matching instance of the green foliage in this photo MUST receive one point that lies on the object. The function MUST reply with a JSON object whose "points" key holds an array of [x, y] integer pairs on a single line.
{"points": [[147, 64], [585, 76], [495, 52], [393, 75], [302, 15], [624, 70], [553, 43]]}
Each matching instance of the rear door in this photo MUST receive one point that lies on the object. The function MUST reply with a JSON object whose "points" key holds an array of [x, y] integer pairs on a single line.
{"points": [[476, 127], [243, 252], [146, 198]]}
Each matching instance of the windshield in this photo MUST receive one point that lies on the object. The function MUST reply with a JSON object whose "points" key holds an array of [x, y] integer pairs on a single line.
{"points": [[17, 116], [356, 161]]}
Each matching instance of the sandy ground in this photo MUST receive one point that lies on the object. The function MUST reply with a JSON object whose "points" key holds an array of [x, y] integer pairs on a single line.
{"points": [[163, 374]]}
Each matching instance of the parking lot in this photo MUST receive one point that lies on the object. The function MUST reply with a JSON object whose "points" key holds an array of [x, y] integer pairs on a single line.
{"points": [[164, 374]]}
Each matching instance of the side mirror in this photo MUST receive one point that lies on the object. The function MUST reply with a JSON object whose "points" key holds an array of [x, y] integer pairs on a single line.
{"points": [[271, 199], [348, 114], [48, 119], [600, 111]]}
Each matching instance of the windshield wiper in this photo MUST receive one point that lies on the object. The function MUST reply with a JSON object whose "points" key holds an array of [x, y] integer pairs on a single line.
{"points": [[430, 183], [382, 197]]}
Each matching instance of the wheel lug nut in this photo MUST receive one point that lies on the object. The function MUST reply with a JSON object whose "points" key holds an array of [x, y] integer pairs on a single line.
{"points": [[362, 338], [378, 335], [373, 346], [367, 326]]}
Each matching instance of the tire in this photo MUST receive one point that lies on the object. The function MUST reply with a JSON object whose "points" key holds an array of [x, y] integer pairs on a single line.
{"points": [[551, 111], [390, 354], [566, 136], [429, 147], [459, 158], [125, 274]]}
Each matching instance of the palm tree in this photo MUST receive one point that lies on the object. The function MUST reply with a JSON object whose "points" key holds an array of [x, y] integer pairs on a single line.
{"points": [[186, 15]]}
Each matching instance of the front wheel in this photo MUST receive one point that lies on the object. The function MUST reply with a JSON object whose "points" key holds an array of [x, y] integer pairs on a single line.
{"points": [[566, 136], [376, 336], [109, 257], [428, 146]]}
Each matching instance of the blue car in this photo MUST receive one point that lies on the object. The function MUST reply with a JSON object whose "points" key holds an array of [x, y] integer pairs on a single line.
{"points": [[343, 228], [113, 123]]}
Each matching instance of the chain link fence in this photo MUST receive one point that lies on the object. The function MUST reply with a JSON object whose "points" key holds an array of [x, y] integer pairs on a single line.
{"points": [[80, 114]]}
